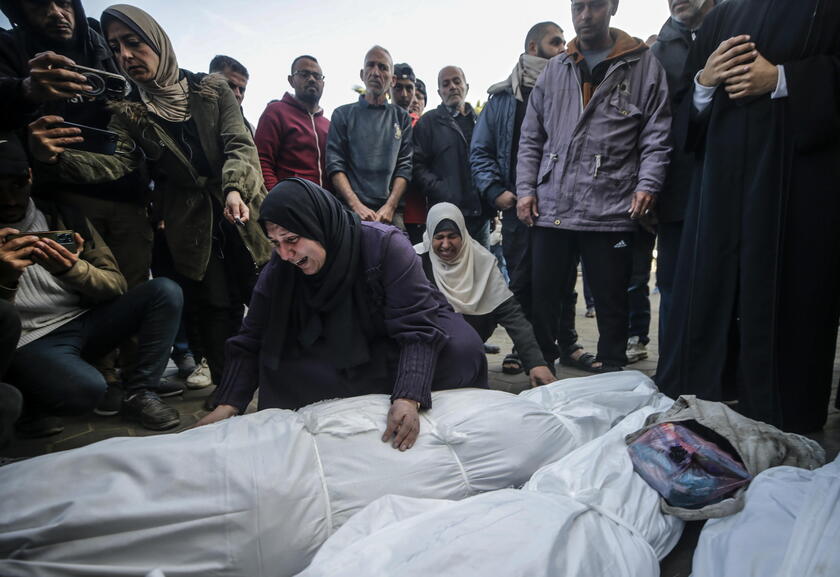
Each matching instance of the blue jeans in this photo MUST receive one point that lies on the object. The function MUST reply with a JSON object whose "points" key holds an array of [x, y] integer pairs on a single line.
{"points": [[54, 373], [479, 229], [496, 250]]}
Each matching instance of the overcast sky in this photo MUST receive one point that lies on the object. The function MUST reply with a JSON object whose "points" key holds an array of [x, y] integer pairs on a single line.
{"points": [[480, 37]]}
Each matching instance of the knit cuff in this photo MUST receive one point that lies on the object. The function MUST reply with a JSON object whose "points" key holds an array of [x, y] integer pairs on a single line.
{"points": [[415, 372], [239, 382]]}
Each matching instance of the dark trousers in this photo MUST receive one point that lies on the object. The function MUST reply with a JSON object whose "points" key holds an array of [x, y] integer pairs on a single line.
{"points": [[215, 305], [54, 372], [670, 234], [587, 290], [639, 292], [9, 335], [415, 232], [516, 247], [126, 230], [608, 257], [10, 399]]}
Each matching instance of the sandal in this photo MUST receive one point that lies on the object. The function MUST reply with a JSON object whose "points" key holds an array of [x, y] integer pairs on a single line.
{"points": [[512, 365], [583, 362]]}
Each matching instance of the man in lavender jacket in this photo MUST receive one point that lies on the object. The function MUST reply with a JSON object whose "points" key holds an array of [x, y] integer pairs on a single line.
{"points": [[592, 157]]}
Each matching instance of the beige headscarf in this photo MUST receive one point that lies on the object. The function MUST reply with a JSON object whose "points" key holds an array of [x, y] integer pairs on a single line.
{"points": [[524, 74], [472, 283], [168, 94]]}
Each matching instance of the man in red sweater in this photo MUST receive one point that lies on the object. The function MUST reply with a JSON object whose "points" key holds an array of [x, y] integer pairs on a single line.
{"points": [[291, 135]]}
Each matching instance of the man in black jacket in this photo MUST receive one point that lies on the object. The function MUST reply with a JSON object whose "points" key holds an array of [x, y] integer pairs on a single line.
{"points": [[442, 153], [671, 49]]}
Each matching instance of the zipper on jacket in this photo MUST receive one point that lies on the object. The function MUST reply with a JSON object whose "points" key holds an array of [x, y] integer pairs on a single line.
{"points": [[317, 149], [597, 165], [615, 66]]}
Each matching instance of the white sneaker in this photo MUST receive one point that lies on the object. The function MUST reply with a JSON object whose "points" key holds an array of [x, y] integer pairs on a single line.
{"points": [[636, 351], [200, 377]]}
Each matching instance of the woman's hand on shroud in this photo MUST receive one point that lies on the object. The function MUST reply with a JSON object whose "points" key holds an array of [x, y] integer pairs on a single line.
{"points": [[220, 413], [403, 424]]}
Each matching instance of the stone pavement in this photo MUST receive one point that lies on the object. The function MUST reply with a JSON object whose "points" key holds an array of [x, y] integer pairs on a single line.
{"points": [[81, 431]]}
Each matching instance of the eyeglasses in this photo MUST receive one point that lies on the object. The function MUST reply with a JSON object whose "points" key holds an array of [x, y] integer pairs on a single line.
{"points": [[307, 74]]}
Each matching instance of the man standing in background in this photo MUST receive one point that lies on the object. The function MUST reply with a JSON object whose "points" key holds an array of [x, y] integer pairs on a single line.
{"points": [[671, 49], [762, 228], [592, 156], [442, 154], [493, 154], [292, 133], [403, 95], [237, 78], [369, 146]]}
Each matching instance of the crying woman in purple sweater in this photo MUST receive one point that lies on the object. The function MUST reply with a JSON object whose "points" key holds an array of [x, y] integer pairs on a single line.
{"points": [[344, 309]]}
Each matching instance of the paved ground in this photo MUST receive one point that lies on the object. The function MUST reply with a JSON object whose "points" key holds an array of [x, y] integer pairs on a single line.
{"points": [[83, 431]]}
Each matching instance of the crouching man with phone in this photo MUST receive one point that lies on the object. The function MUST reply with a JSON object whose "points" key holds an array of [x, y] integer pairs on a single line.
{"points": [[72, 301]]}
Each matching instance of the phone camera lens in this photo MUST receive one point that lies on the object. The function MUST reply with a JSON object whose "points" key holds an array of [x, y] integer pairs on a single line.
{"points": [[96, 83]]}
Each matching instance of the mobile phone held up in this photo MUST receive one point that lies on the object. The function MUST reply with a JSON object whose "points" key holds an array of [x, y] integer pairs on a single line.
{"points": [[66, 238], [103, 85], [95, 139]]}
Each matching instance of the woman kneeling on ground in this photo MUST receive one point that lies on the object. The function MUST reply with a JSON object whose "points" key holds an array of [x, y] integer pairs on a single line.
{"points": [[468, 276], [343, 309]]}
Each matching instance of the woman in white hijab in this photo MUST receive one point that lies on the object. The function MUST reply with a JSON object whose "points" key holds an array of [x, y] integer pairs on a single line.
{"points": [[467, 275]]}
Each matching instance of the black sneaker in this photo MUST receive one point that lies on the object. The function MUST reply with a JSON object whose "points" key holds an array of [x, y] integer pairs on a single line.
{"points": [[167, 388], [111, 403], [146, 408], [38, 426]]}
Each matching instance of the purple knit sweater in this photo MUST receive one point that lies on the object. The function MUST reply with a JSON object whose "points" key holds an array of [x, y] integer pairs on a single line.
{"points": [[420, 342]]}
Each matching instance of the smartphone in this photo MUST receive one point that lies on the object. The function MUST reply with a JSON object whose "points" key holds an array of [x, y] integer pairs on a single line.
{"points": [[66, 238], [96, 140], [103, 84]]}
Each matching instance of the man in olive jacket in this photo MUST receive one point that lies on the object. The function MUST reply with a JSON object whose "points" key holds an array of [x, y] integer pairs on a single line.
{"points": [[73, 307]]}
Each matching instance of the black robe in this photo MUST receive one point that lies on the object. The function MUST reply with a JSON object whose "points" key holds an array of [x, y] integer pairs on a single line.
{"points": [[756, 295]]}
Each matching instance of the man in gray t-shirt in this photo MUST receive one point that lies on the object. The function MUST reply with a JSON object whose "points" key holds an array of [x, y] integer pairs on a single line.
{"points": [[369, 146]]}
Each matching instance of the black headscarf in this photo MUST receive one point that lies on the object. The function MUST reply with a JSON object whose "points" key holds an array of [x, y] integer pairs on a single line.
{"points": [[330, 305], [447, 225]]}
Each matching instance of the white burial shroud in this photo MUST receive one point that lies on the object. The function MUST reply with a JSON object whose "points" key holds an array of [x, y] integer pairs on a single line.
{"points": [[789, 527], [584, 515], [259, 494]]}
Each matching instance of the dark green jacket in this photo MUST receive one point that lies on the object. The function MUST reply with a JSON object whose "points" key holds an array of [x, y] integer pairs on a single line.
{"points": [[185, 197]]}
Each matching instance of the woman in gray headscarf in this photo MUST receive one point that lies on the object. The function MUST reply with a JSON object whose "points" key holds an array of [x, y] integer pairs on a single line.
{"points": [[189, 130]]}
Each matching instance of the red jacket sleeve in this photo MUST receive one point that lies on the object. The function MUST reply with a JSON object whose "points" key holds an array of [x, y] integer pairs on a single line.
{"points": [[269, 138]]}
